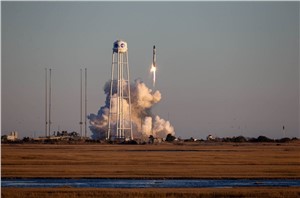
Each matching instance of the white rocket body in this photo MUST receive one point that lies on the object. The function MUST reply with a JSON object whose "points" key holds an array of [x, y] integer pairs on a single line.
{"points": [[154, 56]]}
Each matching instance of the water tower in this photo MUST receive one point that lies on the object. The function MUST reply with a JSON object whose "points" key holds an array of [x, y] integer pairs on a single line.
{"points": [[119, 119]]}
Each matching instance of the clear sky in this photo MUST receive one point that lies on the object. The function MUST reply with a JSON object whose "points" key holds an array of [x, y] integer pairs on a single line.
{"points": [[224, 68]]}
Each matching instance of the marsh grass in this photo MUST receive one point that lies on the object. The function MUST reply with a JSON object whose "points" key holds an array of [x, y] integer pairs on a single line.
{"points": [[157, 193], [152, 161]]}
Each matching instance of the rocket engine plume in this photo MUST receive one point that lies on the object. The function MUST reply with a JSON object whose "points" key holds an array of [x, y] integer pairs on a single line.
{"points": [[144, 122], [153, 70], [153, 66]]}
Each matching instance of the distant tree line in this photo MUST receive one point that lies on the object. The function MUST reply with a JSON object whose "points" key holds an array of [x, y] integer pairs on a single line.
{"points": [[258, 139], [240, 139], [169, 138]]}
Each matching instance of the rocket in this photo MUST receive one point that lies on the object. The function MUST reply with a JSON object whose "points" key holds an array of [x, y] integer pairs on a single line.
{"points": [[154, 56], [153, 66]]}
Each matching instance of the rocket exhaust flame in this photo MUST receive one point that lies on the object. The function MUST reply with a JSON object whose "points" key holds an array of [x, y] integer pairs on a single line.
{"points": [[153, 70], [153, 66]]}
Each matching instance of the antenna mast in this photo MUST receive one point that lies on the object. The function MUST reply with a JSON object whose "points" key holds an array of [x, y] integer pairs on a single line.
{"points": [[80, 102], [85, 108], [49, 102], [46, 103]]}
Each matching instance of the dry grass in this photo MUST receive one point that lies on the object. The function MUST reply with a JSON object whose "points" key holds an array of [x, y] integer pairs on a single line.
{"points": [[157, 193], [152, 161]]}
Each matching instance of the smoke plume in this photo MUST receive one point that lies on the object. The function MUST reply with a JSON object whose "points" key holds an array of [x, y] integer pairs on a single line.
{"points": [[144, 123]]}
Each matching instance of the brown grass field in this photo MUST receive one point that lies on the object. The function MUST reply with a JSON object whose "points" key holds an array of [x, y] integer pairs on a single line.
{"points": [[151, 192], [195, 160], [191, 160]]}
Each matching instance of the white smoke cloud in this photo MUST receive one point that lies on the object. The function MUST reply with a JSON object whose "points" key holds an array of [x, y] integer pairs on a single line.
{"points": [[144, 123], [147, 125]]}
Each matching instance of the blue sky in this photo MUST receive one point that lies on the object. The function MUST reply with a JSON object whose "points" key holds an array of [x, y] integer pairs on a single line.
{"points": [[224, 68]]}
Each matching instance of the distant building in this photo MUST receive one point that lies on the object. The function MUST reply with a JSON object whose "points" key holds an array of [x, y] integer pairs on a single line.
{"points": [[13, 136], [210, 137]]}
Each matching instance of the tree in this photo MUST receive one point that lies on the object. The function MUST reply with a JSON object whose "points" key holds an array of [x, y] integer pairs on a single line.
{"points": [[239, 139], [264, 139], [4, 138], [170, 138], [26, 139], [151, 139]]}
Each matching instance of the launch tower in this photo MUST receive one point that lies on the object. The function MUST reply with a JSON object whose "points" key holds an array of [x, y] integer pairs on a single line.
{"points": [[119, 119]]}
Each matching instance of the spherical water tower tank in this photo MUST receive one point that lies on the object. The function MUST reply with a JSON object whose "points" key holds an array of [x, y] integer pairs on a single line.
{"points": [[120, 46]]}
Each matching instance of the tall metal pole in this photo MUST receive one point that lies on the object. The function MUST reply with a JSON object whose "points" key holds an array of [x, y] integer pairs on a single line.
{"points": [[46, 103], [85, 108], [129, 97], [110, 96], [117, 97], [80, 102], [85, 104], [118, 93], [49, 102]]}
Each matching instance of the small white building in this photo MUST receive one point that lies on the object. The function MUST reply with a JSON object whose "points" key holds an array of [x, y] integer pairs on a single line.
{"points": [[210, 137], [12, 136]]}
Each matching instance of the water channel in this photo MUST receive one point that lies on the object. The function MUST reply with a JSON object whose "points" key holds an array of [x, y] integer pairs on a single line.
{"points": [[148, 183]]}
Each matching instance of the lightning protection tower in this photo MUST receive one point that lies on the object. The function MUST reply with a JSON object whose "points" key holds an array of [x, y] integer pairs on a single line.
{"points": [[119, 119]]}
